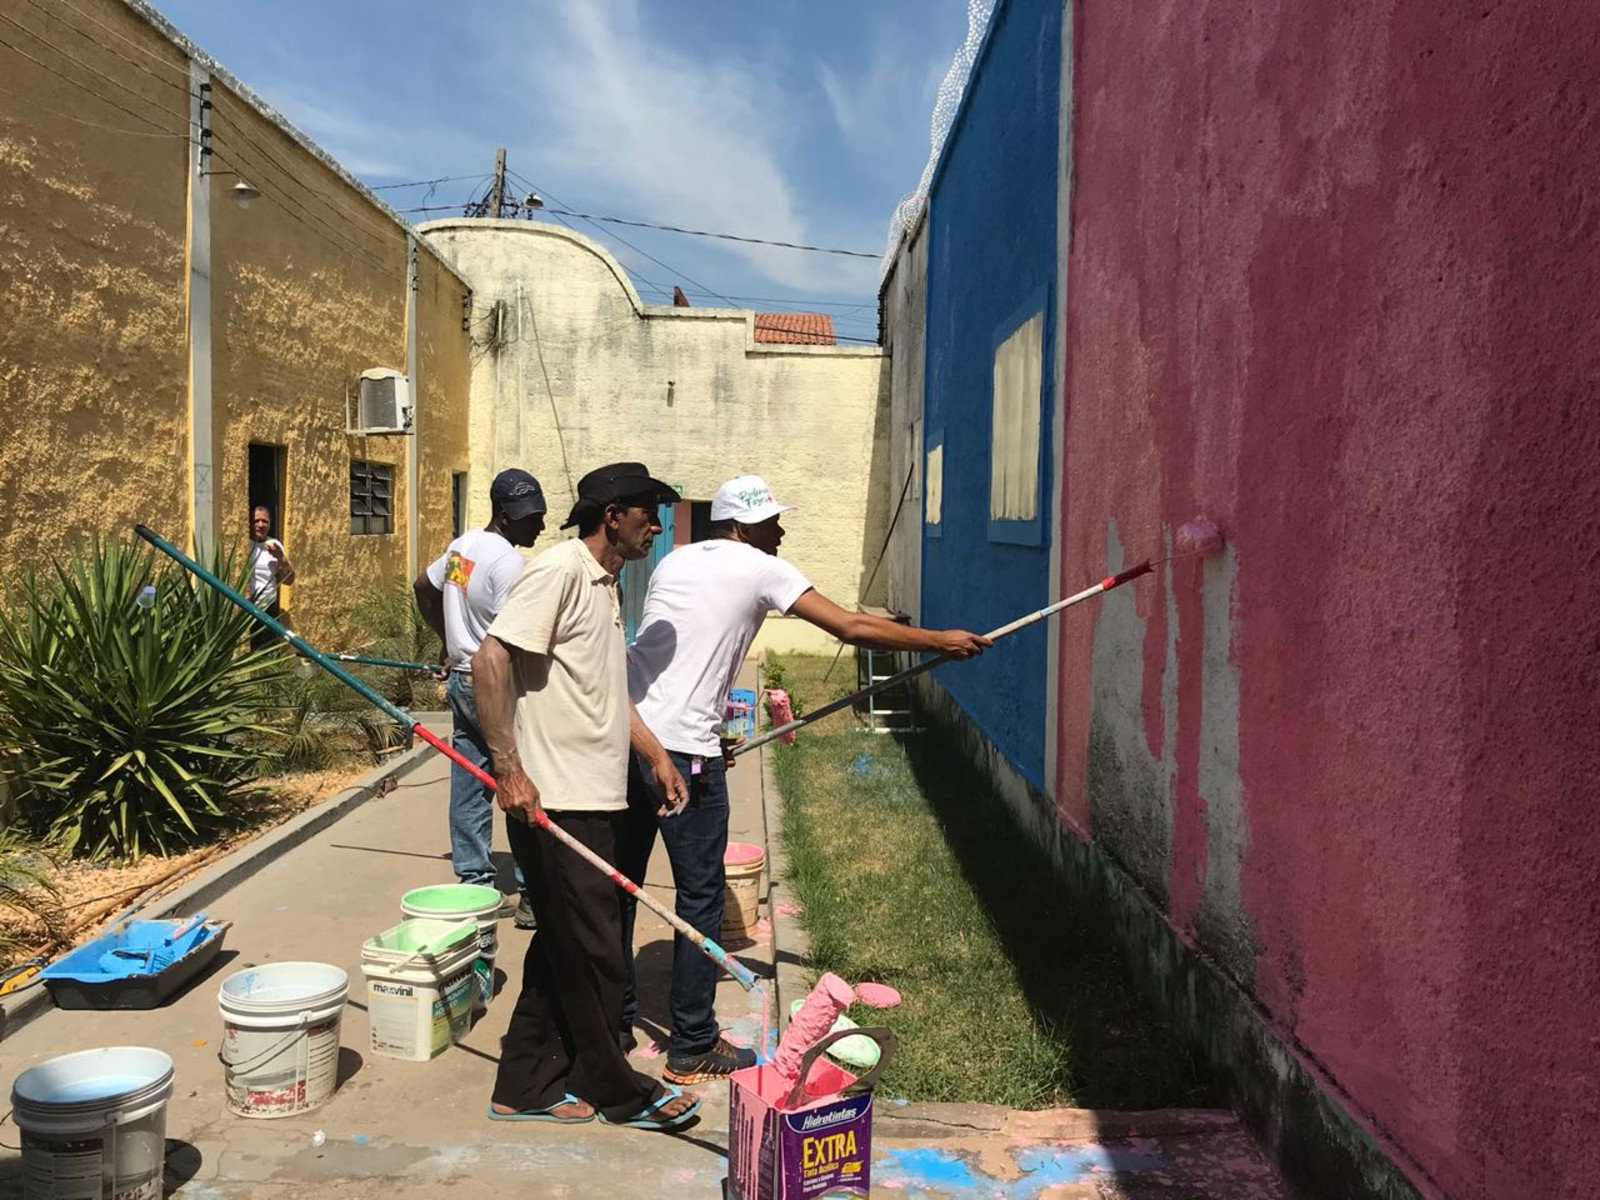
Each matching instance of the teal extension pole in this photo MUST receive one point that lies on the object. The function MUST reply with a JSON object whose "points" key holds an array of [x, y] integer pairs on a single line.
{"points": [[740, 973]]}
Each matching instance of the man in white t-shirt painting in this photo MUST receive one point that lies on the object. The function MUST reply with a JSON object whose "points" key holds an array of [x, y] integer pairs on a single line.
{"points": [[269, 567], [552, 682], [704, 607], [459, 595]]}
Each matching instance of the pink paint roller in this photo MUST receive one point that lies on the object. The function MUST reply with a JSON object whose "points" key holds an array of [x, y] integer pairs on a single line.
{"points": [[781, 714], [786, 730], [812, 1023]]}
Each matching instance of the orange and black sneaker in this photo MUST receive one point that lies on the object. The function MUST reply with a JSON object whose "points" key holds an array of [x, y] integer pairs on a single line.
{"points": [[722, 1060]]}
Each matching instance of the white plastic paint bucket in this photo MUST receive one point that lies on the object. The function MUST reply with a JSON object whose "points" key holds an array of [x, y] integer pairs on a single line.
{"points": [[280, 1036], [742, 865], [421, 988], [94, 1124], [464, 902]]}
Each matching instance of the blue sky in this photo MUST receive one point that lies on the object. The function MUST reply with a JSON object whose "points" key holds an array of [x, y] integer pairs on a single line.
{"points": [[797, 120]]}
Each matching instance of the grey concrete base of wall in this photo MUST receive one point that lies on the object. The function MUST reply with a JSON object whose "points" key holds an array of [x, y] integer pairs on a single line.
{"points": [[1322, 1151]]}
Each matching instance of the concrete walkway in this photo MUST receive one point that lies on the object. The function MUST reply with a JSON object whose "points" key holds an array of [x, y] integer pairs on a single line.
{"points": [[400, 1130]]}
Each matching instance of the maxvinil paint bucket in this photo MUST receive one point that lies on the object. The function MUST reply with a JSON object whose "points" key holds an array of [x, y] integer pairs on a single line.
{"points": [[280, 1036], [464, 902], [94, 1124], [742, 865], [421, 988]]}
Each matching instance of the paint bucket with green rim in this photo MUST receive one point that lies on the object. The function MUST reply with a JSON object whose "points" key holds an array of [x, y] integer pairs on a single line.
{"points": [[421, 987], [464, 902]]}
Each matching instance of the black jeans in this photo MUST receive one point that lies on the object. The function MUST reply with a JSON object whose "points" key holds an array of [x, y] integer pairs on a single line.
{"points": [[563, 1032], [696, 840]]}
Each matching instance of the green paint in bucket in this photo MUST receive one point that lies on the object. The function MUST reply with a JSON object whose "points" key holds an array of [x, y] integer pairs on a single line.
{"points": [[463, 902]]}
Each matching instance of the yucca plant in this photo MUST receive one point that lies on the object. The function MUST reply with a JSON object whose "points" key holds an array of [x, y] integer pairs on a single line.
{"points": [[26, 885], [126, 696], [387, 625]]}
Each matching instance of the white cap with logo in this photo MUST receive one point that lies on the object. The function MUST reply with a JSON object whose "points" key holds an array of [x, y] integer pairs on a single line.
{"points": [[747, 500]]}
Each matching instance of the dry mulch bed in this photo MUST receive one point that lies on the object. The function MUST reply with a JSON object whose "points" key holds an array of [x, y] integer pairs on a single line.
{"points": [[93, 892]]}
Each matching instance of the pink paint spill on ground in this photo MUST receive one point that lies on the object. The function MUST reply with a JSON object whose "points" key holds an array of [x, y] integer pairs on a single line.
{"points": [[653, 1050], [811, 1024], [763, 928], [785, 909], [877, 995]]}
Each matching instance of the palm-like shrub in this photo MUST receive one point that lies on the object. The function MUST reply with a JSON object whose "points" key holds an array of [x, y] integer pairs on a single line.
{"points": [[25, 885], [124, 711]]}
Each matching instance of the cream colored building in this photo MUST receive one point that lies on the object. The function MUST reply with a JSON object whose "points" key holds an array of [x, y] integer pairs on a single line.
{"points": [[571, 370]]}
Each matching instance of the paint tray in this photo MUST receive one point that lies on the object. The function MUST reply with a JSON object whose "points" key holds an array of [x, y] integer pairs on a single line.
{"points": [[80, 980], [805, 1139]]}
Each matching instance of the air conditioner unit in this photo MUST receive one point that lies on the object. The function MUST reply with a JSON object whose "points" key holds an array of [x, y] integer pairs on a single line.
{"points": [[382, 403]]}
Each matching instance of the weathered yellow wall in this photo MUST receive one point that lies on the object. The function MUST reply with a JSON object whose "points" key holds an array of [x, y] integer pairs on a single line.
{"points": [[442, 408], [92, 217], [810, 419], [308, 288]]}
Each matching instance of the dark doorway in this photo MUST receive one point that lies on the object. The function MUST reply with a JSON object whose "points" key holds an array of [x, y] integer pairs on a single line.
{"points": [[458, 503], [267, 484]]}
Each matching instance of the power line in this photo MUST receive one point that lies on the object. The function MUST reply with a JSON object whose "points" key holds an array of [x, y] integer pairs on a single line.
{"points": [[116, 83], [78, 83], [727, 237], [535, 187], [730, 237], [94, 41], [385, 187], [237, 127], [160, 133], [118, 34]]}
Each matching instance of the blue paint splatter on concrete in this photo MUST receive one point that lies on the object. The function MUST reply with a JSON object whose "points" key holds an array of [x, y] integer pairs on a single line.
{"points": [[927, 1172], [925, 1169]]}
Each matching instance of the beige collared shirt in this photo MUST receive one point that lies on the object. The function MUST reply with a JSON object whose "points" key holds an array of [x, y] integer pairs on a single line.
{"points": [[563, 623]]}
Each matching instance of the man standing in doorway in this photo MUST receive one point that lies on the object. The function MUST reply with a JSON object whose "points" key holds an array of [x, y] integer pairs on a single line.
{"points": [[552, 686], [459, 594], [705, 605], [269, 567]]}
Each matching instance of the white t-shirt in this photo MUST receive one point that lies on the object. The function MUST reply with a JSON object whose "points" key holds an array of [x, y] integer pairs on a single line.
{"points": [[569, 676], [264, 572], [705, 606], [475, 574]]}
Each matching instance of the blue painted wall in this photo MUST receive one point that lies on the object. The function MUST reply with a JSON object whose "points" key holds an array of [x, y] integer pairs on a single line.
{"points": [[991, 263]]}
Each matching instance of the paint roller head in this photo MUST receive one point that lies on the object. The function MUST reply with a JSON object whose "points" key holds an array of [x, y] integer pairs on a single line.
{"points": [[1199, 536]]}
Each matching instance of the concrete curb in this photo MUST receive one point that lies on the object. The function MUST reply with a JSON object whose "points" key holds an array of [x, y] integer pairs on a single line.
{"points": [[233, 869], [790, 947]]}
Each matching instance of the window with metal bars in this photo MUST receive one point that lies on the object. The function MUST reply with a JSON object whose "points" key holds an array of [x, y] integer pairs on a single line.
{"points": [[371, 493]]}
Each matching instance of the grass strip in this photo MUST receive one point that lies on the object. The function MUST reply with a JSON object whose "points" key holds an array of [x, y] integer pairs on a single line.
{"points": [[913, 873]]}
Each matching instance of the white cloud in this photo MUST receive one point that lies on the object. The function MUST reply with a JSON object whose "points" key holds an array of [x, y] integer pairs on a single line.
{"points": [[692, 141]]}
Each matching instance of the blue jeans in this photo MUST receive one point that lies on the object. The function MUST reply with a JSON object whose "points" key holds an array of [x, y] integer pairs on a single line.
{"points": [[471, 806], [696, 840]]}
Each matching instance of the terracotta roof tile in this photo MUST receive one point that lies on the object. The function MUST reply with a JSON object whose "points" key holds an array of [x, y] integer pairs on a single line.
{"points": [[799, 329]]}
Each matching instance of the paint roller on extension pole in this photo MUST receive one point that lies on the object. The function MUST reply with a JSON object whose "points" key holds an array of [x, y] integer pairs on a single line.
{"points": [[928, 664], [741, 974]]}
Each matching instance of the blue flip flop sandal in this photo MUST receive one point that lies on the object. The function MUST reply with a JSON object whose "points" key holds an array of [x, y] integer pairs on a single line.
{"points": [[647, 1118], [543, 1114]]}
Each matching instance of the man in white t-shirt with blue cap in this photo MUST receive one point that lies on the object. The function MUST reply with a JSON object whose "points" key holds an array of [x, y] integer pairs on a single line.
{"points": [[705, 605], [459, 596]]}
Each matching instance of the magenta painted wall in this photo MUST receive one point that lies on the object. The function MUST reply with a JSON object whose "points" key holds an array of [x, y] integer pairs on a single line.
{"points": [[1335, 282]]}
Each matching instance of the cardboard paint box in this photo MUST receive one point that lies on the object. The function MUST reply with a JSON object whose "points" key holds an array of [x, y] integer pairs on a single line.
{"points": [[805, 1140]]}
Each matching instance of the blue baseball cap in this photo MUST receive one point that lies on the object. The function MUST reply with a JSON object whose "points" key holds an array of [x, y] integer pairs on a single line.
{"points": [[517, 494]]}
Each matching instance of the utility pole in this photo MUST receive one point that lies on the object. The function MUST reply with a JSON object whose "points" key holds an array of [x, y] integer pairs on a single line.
{"points": [[497, 193]]}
